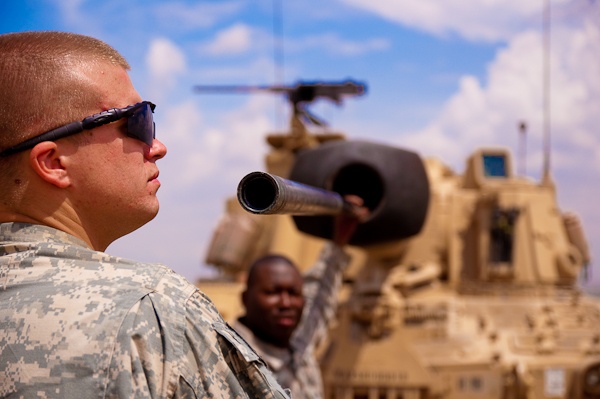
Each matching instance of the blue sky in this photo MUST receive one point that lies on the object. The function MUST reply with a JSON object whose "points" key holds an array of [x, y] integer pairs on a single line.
{"points": [[443, 77]]}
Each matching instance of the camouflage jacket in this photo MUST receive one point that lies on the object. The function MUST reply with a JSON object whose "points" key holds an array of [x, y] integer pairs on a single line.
{"points": [[77, 323], [296, 367]]}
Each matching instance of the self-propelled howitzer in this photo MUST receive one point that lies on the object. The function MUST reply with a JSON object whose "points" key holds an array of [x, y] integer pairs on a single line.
{"points": [[462, 285]]}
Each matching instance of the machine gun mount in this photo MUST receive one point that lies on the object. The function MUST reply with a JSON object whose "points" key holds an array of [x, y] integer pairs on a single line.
{"points": [[297, 95]]}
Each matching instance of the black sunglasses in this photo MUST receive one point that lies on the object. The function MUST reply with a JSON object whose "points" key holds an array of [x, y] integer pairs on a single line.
{"points": [[140, 125]]}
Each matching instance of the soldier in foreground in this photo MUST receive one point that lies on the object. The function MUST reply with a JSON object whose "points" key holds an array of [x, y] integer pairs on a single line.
{"points": [[274, 299], [77, 322]]}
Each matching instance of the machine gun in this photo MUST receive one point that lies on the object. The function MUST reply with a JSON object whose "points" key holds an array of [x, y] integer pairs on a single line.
{"points": [[298, 95]]}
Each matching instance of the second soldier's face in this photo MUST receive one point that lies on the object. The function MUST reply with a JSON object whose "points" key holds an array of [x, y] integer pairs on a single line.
{"points": [[275, 302]]}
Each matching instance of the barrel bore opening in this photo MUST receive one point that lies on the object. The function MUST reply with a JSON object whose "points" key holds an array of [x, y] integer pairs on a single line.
{"points": [[362, 180], [259, 193]]}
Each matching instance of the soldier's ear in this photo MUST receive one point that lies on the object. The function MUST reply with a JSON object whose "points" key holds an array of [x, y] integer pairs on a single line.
{"points": [[45, 160]]}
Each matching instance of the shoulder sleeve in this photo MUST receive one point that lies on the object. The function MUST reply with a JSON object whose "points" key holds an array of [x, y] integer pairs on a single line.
{"points": [[221, 363], [321, 285], [169, 348], [137, 368]]}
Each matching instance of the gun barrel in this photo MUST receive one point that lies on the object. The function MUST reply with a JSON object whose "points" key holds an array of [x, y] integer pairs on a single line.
{"points": [[266, 194]]}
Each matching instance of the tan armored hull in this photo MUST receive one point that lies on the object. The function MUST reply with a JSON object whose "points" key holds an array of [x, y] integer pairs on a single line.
{"points": [[470, 293]]}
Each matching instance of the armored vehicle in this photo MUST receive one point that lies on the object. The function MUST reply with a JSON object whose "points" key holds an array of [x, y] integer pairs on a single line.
{"points": [[461, 286]]}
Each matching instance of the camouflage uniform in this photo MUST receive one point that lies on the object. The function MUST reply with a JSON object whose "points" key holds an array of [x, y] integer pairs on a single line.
{"points": [[296, 367], [78, 323]]}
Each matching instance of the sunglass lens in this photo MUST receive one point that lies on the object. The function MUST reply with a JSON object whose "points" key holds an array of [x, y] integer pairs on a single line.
{"points": [[141, 124]]}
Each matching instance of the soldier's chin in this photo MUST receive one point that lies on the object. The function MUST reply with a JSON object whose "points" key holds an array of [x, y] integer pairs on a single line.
{"points": [[149, 214]]}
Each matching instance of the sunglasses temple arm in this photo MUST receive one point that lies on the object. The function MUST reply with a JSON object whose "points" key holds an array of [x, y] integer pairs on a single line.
{"points": [[52, 135], [64, 131]]}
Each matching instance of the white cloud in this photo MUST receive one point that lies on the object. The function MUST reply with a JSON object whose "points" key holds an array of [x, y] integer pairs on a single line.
{"points": [[489, 20], [201, 15], [489, 112], [235, 144], [193, 150], [236, 39], [182, 121], [334, 44], [242, 39], [258, 70], [165, 61], [69, 8]]}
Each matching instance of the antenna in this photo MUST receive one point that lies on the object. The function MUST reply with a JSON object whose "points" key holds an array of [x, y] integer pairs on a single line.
{"points": [[522, 148], [278, 41], [278, 54], [546, 92]]}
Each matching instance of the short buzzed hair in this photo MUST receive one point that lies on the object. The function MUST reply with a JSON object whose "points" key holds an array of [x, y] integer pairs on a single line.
{"points": [[264, 260], [40, 87]]}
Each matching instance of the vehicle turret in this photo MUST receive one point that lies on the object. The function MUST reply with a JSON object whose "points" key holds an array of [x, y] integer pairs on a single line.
{"points": [[463, 284]]}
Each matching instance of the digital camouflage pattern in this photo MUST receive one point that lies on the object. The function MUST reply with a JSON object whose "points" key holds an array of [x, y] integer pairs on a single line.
{"points": [[78, 323], [297, 368]]}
